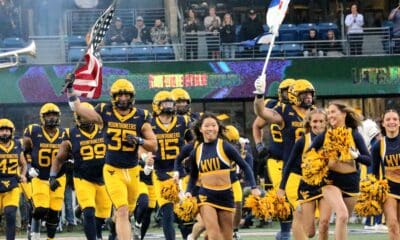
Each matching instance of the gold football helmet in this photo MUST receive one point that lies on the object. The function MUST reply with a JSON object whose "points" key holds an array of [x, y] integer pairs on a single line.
{"points": [[47, 109], [300, 86], [284, 86], [181, 95], [83, 124], [159, 98], [6, 123], [231, 133], [121, 86]]}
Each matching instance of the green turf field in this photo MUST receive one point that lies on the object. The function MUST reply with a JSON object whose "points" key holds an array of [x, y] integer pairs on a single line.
{"points": [[355, 233]]}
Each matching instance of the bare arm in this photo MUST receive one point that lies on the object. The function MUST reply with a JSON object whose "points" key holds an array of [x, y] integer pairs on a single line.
{"points": [[23, 167], [257, 129], [150, 139], [87, 113], [62, 155], [27, 142], [393, 13], [267, 114]]}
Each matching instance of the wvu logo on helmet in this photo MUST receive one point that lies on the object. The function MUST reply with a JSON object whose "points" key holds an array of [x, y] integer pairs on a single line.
{"points": [[284, 86], [160, 103]]}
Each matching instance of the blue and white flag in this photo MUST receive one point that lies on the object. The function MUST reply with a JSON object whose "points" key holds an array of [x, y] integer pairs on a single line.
{"points": [[275, 14]]}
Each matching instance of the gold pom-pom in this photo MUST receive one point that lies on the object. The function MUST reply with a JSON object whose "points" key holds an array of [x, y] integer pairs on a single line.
{"points": [[254, 204], [337, 144], [170, 190], [314, 167], [279, 207], [373, 193], [187, 209]]}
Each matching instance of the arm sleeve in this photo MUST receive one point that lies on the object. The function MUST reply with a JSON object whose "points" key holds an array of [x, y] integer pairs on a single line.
{"points": [[294, 156], [376, 158], [317, 142], [194, 172], [348, 20], [234, 155], [365, 157], [249, 156], [185, 152]]}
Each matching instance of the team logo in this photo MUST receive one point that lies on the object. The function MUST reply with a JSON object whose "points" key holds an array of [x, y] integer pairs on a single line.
{"points": [[6, 183], [305, 194], [111, 172], [202, 198]]}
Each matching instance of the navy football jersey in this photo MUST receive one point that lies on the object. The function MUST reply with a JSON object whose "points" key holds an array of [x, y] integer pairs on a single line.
{"points": [[9, 159], [44, 148], [292, 129], [116, 128], [275, 146], [170, 140], [88, 151]]}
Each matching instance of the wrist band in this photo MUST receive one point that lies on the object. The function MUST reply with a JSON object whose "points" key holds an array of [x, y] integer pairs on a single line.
{"points": [[72, 98], [53, 174]]}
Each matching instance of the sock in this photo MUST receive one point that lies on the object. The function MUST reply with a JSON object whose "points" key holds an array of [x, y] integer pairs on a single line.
{"points": [[285, 226], [10, 213], [51, 223], [167, 219], [89, 224], [99, 227], [146, 222], [141, 207]]}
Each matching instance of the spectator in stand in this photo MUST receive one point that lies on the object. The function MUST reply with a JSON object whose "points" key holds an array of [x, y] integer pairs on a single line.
{"points": [[159, 33], [228, 36], [312, 46], [354, 23], [191, 27], [332, 47], [212, 23], [251, 29], [7, 27], [394, 16], [140, 34], [117, 33]]}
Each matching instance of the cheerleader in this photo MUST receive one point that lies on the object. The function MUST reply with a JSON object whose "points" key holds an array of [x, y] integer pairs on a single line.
{"points": [[386, 164], [308, 195], [211, 163], [341, 185]]}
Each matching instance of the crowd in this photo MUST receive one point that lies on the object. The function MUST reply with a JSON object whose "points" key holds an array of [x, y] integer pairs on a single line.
{"points": [[121, 160], [121, 35]]}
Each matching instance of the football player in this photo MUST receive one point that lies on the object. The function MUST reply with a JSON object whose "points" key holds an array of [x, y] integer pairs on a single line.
{"points": [[241, 144], [183, 104], [274, 152], [42, 143], [172, 132], [125, 129], [85, 143], [289, 118], [12, 171]]}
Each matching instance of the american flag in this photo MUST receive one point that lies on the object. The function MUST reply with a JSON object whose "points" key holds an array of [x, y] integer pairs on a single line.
{"points": [[88, 76]]}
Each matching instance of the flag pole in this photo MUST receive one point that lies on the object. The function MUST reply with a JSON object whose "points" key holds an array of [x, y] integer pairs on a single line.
{"points": [[271, 45], [70, 79]]}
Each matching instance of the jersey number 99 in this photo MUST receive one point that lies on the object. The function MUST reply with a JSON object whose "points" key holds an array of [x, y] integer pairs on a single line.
{"points": [[90, 152]]}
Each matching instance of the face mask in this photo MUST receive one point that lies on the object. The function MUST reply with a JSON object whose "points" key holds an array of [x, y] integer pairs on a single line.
{"points": [[5, 138]]}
